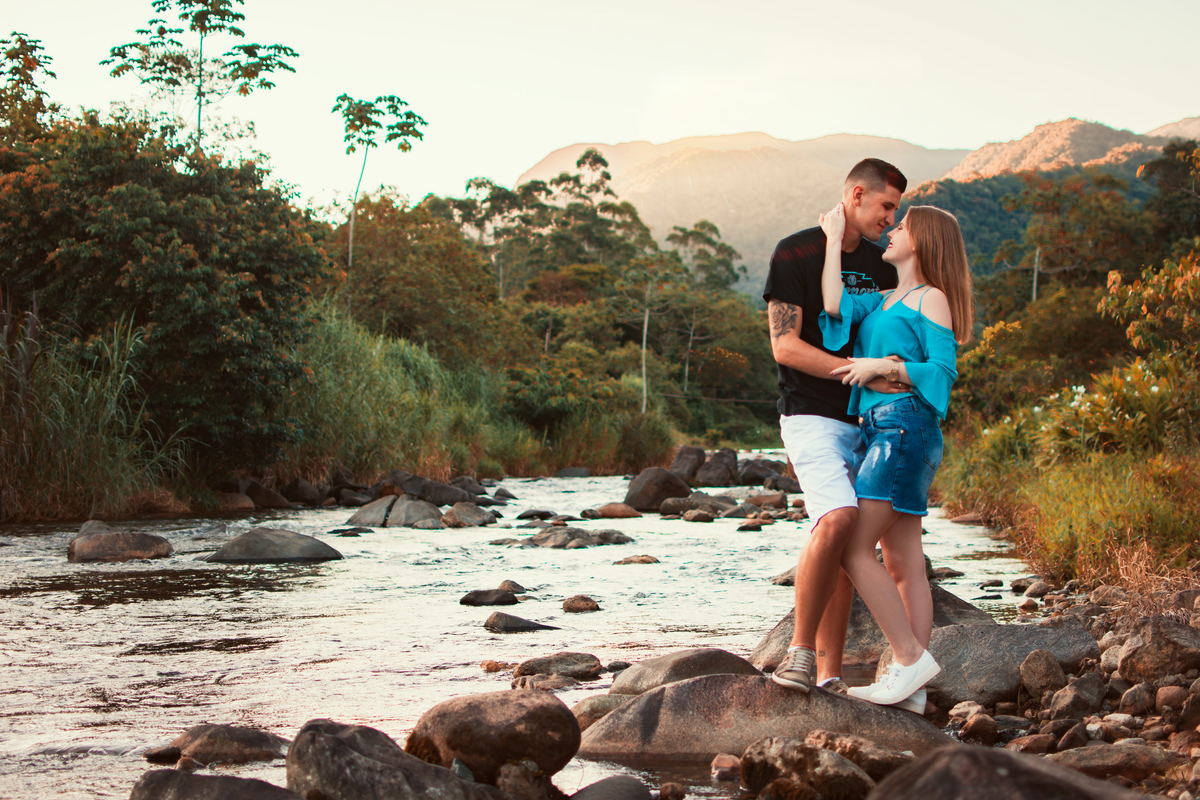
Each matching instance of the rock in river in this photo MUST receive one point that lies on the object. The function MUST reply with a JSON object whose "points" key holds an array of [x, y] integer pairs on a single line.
{"points": [[170, 784], [332, 760], [567, 538], [652, 486], [499, 622], [487, 730], [229, 744], [98, 542], [831, 774], [273, 546], [694, 720], [680, 666], [488, 597], [582, 666]]}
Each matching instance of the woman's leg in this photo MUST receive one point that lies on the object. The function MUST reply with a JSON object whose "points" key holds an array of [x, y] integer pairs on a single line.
{"points": [[905, 562], [873, 582]]}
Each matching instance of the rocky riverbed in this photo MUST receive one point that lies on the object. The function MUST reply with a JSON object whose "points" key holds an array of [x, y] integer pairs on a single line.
{"points": [[100, 662]]}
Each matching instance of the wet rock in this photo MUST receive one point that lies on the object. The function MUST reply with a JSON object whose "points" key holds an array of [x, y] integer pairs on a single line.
{"points": [[1133, 761], [504, 494], [235, 501], [302, 492], [785, 789], [648, 490], [582, 666], [488, 597], [726, 767], [536, 513], [865, 642], [680, 666], [740, 512], [408, 511], [467, 515], [945, 573], [1079, 698], [580, 604], [991, 583], [1037, 589], [750, 527], [982, 662], [264, 497], [428, 525], [1075, 736], [754, 471], [349, 531], [617, 511], [373, 514], [687, 460], [980, 728], [773, 500], [782, 483], [1036, 744], [96, 542], [430, 491], [544, 683], [1137, 700], [1021, 584], [332, 760], [522, 780], [592, 709], [488, 730], [499, 622], [229, 744], [272, 546], [1041, 672], [637, 560], [878, 762], [511, 586], [567, 538], [693, 720], [468, 485], [1159, 646], [982, 773], [696, 501], [832, 775], [697, 515], [170, 784], [162, 755], [715, 473], [616, 787]]}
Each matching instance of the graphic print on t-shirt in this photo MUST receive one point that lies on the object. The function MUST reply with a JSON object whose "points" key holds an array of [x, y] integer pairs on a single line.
{"points": [[858, 283]]}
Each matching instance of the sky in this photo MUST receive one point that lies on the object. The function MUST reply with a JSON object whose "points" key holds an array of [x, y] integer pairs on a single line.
{"points": [[503, 84]]}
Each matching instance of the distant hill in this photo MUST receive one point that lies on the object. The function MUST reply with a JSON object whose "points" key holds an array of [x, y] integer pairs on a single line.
{"points": [[1184, 129], [754, 187]]}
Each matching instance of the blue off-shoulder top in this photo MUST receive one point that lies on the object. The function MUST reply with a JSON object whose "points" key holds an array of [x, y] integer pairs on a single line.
{"points": [[927, 348]]}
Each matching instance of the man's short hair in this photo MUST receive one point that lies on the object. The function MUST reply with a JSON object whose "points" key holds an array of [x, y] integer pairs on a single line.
{"points": [[874, 174]]}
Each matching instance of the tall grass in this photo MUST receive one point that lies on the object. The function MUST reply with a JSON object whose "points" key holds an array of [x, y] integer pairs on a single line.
{"points": [[74, 442]]}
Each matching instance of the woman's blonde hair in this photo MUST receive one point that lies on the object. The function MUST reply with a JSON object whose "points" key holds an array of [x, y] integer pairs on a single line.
{"points": [[938, 244]]}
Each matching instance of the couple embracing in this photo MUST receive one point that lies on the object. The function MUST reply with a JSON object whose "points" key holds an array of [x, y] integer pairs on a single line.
{"points": [[865, 340]]}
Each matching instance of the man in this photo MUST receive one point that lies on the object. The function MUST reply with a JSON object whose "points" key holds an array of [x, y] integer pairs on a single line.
{"points": [[822, 442]]}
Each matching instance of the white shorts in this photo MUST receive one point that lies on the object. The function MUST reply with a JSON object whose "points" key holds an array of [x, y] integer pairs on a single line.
{"points": [[826, 455]]}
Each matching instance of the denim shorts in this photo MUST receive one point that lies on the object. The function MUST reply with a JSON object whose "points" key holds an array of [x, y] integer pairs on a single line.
{"points": [[903, 450]]}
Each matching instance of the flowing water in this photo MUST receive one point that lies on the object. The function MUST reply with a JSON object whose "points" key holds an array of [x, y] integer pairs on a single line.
{"points": [[98, 662]]}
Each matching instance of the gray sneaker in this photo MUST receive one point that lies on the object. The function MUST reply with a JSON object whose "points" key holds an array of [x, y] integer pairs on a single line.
{"points": [[797, 670], [837, 686]]}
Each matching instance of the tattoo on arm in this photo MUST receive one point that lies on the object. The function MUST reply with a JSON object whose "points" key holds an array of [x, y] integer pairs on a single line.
{"points": [[783, 318]]}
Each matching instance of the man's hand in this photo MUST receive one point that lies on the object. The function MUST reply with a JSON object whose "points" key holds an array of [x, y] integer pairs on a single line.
{"points": [[882, 385]]}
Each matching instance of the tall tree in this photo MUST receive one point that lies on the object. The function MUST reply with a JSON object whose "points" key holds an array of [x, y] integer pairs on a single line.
{"points": [[711, 261], [364, 121], [161, 60], [24, 106]]}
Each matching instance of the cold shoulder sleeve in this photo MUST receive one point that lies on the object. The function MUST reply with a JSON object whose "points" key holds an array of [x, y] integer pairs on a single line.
{"points": [[854, 309], [932, 378]]}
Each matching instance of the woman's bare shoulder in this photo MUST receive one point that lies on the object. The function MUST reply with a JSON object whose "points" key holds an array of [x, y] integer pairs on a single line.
{"points": [[934, 306]]}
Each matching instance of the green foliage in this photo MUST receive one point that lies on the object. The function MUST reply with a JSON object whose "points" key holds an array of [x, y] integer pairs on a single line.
{"points": [[24, 105], [74, 442], [363, 121], [163, 62], [1161, 307], [103, 222], [1176, 204], [710, 260]]}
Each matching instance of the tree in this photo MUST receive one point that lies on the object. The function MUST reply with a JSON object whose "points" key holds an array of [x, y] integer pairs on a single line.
{"points": [[104, 222], [23, 102], [363, 123], [1176, 204], [163, 62], [710, 260], [644, 289]]}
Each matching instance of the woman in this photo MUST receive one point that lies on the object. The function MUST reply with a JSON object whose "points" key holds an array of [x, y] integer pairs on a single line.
{"points": [[922, 322]]}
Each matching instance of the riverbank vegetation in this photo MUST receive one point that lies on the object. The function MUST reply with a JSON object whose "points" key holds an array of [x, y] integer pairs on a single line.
{"points": [[1074, 425]]}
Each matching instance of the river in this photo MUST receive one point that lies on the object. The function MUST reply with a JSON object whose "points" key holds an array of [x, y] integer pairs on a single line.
{"points": [[99, 662]]}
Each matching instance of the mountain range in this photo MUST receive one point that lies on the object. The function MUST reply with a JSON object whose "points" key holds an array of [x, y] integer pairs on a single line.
{"points": [[757, 188]]}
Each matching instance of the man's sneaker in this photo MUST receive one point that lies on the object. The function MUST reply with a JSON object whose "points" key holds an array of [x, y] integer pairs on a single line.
{"points": [[797, 669], [904, 681], [837, 686], [915, 702]]}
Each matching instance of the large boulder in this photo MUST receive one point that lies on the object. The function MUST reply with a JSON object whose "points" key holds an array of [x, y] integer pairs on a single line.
{"points": [[468, 515], [648, 490], [865, 642], [264, 497], [408, 511], [687, 460], [1159, 646], [468, 485], [680, 666], [332, 760], [876, 761], [591, 710], [833, 776], [229, 744], [302, 492], [715, 473], [170, 784], [487, 730], [374, 514], [1133, 761], [98, 542], [694, 720], [273, 546], [982, 773], [982, 663], [755, 471]]}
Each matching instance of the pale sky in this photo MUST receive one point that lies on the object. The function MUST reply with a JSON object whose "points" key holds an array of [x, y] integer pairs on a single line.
{"points": [[503, 84]]}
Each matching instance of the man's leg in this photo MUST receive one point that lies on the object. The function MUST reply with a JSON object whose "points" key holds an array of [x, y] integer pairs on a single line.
{"points": [[823, 591], [831, 633]]}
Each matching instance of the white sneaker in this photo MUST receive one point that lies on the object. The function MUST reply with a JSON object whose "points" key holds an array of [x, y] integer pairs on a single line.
{"points": [[904, 681], [865, 692], [915, 702]]}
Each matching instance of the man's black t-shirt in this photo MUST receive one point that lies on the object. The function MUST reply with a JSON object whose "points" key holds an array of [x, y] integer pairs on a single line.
{"points": [[795, 277]]}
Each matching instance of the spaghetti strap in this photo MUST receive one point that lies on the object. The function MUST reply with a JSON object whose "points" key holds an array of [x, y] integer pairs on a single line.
{"points": [[906, 294], [921, 299]]}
